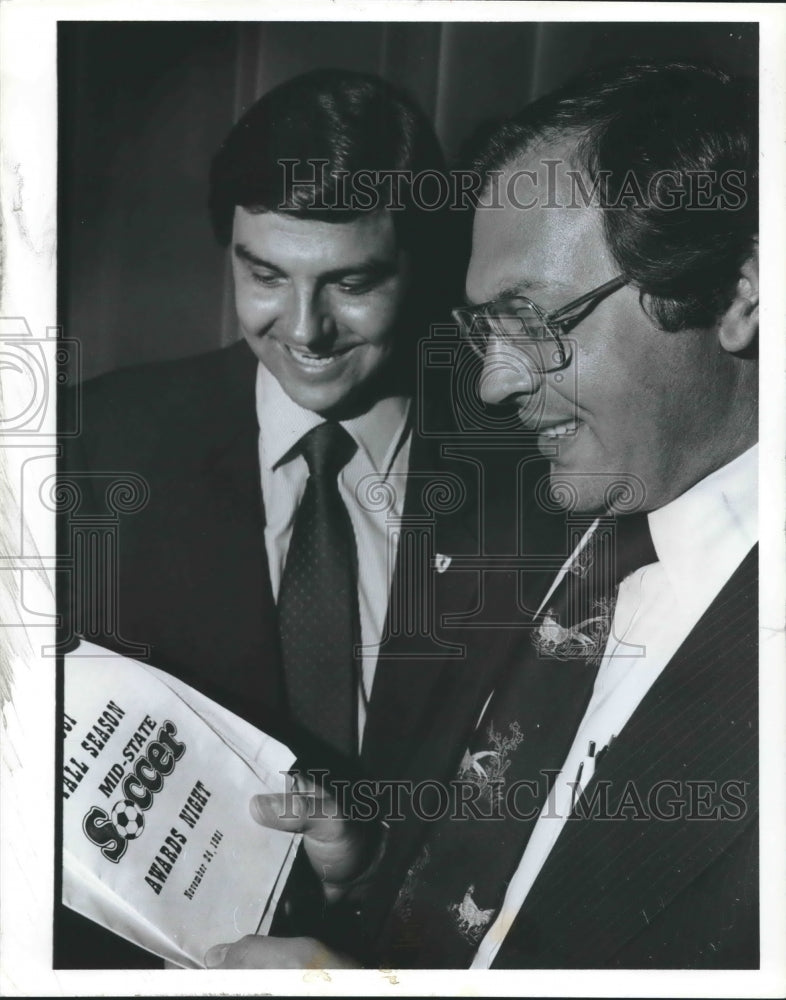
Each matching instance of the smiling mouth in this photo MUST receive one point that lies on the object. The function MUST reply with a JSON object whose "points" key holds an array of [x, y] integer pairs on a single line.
{"points": [[562, 430], [316, 362]]}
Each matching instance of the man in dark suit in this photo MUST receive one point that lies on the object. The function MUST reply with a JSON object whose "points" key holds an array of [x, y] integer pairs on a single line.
{"points": [[613, 291], [335, 285]]}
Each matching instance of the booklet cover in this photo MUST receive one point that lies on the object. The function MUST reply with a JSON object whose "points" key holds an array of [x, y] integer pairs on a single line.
{"points": [[158, 842]]}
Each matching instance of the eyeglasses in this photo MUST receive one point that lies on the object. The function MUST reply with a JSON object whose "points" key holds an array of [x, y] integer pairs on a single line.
{"points": [[520, 322]]}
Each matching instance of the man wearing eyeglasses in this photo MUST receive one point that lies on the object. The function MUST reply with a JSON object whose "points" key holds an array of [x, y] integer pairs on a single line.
{"points": [[613, 295]]}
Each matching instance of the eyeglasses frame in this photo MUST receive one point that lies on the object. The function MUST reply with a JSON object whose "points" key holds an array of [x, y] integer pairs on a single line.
{"points": [[557, 322]]}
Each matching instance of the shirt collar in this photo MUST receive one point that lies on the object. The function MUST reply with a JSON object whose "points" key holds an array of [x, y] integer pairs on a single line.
{"points": [[703, 535], [378, 433]]}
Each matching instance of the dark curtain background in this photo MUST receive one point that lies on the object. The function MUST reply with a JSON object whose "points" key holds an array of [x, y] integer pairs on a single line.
{"points": [[143, 106]]}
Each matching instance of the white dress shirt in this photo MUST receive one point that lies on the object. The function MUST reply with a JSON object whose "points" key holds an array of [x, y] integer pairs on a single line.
{"points": [[700, 539], [383, 439]]}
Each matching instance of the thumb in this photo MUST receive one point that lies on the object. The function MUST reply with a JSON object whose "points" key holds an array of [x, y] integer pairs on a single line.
{"points": [[297, 812], [281, 811], [303, 808]]}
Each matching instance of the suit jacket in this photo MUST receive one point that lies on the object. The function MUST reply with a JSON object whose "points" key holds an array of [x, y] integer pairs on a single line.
{"points": [[187, 583], [663, 871]]}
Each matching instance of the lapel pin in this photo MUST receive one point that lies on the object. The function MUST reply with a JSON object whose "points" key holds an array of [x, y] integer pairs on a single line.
{"points": [[441, 562]]}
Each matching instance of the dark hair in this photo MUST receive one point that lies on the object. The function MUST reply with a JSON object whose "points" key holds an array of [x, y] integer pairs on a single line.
{"points": [[352, 122], [657, 124]]}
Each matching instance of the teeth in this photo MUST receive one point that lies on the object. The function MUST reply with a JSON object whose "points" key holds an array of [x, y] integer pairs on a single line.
{"points": [[312, 360], [561, 430]]}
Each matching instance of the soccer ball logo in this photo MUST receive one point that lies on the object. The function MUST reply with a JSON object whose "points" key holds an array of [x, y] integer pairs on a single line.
{"points": [[128, 819]]}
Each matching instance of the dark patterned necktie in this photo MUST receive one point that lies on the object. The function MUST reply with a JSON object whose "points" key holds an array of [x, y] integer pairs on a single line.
{"points": [[455, 887], [318, 598]]}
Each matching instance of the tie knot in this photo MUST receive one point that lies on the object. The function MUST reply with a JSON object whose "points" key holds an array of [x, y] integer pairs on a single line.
{"points": [[634, 544], [327, 449]]}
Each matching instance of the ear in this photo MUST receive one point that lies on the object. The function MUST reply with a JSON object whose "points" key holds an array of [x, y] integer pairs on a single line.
{"points": [[739, 325]]}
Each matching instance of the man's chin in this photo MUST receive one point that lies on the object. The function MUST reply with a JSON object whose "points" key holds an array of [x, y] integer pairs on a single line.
{"points": [[324, 404], [339, 404], [575, 491]]}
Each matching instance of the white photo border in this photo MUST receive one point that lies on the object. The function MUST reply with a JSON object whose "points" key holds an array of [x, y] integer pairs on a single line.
{"points": [[28, 187]]}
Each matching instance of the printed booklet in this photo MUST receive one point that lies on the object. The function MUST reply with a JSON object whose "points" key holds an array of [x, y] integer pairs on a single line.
{"points": [[158, 842]]}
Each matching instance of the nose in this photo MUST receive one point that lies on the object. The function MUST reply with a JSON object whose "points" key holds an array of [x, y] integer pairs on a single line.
{"points": [[308, 320], [507, 372]]}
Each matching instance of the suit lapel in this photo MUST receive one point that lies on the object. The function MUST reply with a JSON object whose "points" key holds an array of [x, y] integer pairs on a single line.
{"points": [[606, 880], [235, 496], [421, 661], [431, 683], [225, 529]]}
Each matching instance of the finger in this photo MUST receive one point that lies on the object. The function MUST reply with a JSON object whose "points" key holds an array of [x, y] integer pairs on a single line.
{"points": [[298, 812], [214, 957], [255, 952], [283, 811], [252, 952], [333, 846]]}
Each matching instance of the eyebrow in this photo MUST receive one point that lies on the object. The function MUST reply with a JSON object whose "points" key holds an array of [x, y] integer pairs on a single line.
{"points": [[242, 252], [376, 266], [521, 287]]}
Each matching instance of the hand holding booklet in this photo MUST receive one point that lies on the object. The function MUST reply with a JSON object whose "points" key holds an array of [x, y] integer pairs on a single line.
{"points": [[158, 842]]}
